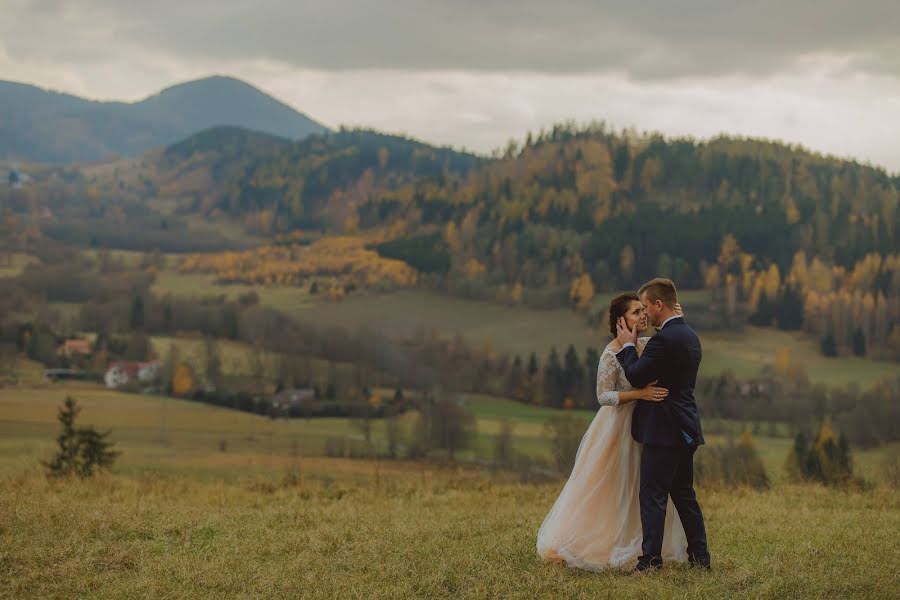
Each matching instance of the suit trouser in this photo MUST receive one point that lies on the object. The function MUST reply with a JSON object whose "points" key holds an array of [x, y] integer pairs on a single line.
{"points": [[669, 471]]}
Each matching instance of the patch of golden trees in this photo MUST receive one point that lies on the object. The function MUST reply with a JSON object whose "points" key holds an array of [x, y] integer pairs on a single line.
{"points": [[864, 299], [345, 258]]}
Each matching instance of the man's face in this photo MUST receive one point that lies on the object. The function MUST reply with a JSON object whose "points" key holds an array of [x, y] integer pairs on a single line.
{"points": [[653, 309]]}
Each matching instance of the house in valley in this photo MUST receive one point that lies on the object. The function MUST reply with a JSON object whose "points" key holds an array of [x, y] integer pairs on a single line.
{"points": [[291, 397], [74, 347], [122, 373]]}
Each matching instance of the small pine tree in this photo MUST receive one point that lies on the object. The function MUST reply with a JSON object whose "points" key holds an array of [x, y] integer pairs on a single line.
{"points": [[96, 451], [844, 459], [859, 343], [554, 382], [829, 345], [763, 316], [532, 365], [66, 459], [82, 450], [788, 309], [794, 465]]}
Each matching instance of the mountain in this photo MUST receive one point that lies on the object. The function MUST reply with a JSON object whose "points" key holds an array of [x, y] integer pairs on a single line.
{"points": [[45, 126]]}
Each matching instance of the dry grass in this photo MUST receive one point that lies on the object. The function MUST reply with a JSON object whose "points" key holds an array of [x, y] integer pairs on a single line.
{"points": [[413, 534], [181, 518]]}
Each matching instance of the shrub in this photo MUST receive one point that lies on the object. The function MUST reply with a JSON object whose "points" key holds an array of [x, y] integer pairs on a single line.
{"points": [[827, 460], [733, 465], [447, 424]]}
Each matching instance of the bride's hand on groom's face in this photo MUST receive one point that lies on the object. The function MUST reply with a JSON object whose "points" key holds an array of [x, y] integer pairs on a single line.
{"points": [[625, 335]]}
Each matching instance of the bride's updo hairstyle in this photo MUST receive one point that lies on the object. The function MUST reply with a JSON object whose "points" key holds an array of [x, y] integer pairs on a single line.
{"points": [[618, 307]]}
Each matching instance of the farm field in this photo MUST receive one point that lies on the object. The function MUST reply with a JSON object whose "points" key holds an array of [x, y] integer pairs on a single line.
{"points": [[521, 330], [287, 299], [179, 436]]}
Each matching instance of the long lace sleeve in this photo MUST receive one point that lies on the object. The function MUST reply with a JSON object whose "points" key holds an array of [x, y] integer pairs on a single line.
{"points": [[607, 374]]}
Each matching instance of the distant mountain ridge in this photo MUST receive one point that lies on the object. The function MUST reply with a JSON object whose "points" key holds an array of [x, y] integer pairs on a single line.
{"points": [[46, 126]]}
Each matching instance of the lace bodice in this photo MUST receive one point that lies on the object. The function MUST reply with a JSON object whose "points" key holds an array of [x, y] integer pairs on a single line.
{"points": [[611, 377]]}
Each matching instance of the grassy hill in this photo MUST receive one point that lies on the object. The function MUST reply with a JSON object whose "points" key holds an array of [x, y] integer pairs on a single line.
{"points": [[181, 437], [182, 516], [261, 515]]}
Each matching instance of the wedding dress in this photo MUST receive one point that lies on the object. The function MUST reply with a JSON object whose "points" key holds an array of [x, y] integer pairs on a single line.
{"points": [[595, 523]]}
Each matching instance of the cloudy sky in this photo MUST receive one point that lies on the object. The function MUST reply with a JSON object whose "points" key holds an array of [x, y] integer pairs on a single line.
{"points": [[475, 73]]}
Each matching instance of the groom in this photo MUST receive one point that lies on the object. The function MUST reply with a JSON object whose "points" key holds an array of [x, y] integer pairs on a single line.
{"points": [[669, 430]]}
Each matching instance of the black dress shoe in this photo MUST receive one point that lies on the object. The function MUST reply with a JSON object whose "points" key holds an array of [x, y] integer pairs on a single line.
{"points": [[700, 563], [645, 567]]}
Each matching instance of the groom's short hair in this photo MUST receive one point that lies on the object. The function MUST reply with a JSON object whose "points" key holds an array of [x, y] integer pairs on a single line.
{"points": [[660, 289]]}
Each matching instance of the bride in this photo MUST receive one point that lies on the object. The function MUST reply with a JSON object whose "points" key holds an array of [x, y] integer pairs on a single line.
{"points": [[595, 523]]}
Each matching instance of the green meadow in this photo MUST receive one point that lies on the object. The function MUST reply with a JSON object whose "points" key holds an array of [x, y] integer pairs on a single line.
{"points": [[181, 436], [521, 330]]}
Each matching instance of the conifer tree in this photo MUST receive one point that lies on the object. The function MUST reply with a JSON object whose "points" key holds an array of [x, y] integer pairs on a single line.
{"points": [[81, 450]]}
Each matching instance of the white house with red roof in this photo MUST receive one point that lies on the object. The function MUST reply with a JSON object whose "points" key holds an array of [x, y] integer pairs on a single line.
{"points": [[121, 373]]}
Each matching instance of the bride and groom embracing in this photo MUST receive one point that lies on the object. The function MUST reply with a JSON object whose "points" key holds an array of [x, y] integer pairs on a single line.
{"points": [[630, 498]]}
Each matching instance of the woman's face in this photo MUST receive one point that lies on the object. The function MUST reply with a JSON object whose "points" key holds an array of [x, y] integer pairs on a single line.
{"points": [[636, 314]]}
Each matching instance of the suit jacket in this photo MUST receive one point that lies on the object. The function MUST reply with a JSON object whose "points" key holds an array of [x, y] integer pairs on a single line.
{"points": [[672, 358]]}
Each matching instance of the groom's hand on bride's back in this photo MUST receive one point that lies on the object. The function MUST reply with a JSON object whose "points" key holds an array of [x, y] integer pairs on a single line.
{"points": [[625, 335]]}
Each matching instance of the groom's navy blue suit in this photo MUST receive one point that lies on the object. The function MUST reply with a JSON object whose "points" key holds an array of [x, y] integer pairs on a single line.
{"points": [[670, 432]]}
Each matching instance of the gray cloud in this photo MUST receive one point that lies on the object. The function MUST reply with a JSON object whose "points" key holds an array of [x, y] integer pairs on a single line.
{"points": [[641, 39], [476, 73]]}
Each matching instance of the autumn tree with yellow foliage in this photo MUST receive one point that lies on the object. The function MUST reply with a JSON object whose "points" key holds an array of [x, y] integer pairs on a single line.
{"points": [[581, 292]]}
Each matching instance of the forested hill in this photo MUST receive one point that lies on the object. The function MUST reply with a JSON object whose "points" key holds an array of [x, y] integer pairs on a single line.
{"points": [[582, 200], [226, 143], [45, 126], [774, 232], [321, 181], [566, 203]]}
